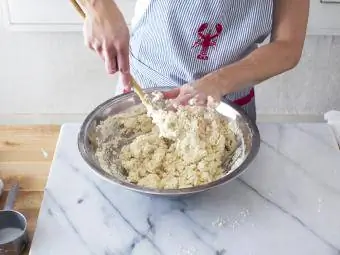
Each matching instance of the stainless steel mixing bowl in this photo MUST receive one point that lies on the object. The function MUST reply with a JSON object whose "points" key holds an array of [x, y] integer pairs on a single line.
{"points": [[246, 131]]}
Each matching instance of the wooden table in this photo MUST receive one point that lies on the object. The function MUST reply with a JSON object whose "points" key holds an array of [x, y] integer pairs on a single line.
{"points": [[26, 153]]}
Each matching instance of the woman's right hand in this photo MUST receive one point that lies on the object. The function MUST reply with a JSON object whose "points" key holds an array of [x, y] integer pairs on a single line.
{"points": [[106, 32]]}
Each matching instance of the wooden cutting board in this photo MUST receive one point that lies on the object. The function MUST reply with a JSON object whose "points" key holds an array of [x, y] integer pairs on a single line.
{"points": [[26, 153]]}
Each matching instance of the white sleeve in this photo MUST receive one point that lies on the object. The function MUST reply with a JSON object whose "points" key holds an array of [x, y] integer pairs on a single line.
{"points": [[140, 8]]}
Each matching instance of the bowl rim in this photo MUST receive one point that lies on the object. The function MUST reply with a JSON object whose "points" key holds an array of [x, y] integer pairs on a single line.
{"points": [[255, 140]]}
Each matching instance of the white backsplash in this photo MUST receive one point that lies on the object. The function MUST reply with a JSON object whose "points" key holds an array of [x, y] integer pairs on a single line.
{"points": [[313, 87]]}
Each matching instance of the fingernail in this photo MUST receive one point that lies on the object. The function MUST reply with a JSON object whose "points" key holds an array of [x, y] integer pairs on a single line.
{"points": [[112, 71]]}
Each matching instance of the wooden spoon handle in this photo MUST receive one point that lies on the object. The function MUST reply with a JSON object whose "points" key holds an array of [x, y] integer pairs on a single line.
{"points": [[78, 8], [139, 91]]}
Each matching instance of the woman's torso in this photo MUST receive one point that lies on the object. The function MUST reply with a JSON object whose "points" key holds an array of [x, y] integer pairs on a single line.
{"points": [[175, 42]]}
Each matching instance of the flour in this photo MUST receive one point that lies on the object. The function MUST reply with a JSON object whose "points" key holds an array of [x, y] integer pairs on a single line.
{"points": [[320, 202], [187, 251], [219, 222], [9, 234]]}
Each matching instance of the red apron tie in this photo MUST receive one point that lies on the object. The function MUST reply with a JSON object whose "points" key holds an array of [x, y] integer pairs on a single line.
{"points": [[246, 99]]}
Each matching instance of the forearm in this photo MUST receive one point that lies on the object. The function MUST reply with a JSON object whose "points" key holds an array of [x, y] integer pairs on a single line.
{"points": [[288, 33], [95, 7], [263, 63]]}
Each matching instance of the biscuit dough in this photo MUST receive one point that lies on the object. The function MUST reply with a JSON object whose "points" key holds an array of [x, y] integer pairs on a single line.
{"points": [[171, 150]]}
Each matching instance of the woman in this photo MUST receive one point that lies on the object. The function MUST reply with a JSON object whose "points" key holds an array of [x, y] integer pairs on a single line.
{"points": [[210, 45]]}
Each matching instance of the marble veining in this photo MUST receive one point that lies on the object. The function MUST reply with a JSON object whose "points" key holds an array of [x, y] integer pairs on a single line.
{"points": [[287, 202]]}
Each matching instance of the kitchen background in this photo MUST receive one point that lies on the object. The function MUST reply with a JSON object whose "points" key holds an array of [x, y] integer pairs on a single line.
{"points": [[48, 76]]}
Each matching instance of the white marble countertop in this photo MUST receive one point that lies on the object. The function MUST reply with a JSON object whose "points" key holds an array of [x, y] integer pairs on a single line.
{"points": [[287, 202]]}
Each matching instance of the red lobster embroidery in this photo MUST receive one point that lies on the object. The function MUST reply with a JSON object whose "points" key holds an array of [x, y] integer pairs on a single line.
{"points": [[206, 40]]}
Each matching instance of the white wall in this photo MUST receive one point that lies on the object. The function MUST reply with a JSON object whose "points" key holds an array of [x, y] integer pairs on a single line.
{"points": [[313, 87], [51, 77]]}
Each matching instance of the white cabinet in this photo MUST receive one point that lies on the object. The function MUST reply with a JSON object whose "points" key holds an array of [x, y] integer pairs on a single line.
{"points": [[50, 15], [324, 17], [59, 15]]}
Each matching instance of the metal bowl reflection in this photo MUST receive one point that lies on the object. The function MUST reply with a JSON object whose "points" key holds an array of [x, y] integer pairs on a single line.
{"points": [[246, 131]]}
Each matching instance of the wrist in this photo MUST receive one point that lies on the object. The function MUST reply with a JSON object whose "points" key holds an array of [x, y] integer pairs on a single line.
{"points": [[96, 8], [225, 80], [218, 83]]}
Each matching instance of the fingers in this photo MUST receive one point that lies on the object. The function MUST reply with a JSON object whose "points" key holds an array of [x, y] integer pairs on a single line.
{"points": [[199, 99], [107, 53], [186, 95], [189, 99], [109, 38], [124, 66], [98, 49], [114, 60], [181, 96], [126, 90], [183, 99], [171, 94], [109, 56]]}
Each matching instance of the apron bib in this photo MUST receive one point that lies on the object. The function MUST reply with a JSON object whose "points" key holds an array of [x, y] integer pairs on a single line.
{"points": [[175, 42]]}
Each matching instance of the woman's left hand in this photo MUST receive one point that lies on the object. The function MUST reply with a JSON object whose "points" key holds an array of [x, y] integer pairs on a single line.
{"points": [[198, 92]]}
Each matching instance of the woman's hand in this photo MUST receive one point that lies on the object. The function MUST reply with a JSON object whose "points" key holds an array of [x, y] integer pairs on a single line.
{"points": [[106, 32], [198, 92]]}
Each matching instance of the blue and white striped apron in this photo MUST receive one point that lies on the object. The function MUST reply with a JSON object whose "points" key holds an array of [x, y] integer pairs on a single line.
{"points": [[176, 42]]}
